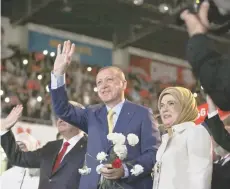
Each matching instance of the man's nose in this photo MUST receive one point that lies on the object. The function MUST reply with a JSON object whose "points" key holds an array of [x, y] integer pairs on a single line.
{"points": [[104, 85]]}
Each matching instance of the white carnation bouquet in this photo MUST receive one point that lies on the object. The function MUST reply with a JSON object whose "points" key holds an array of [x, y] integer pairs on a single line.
{"points": [[116, 158]]}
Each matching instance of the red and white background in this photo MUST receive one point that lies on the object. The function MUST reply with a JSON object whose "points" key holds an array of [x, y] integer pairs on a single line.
{"points": [[203, 113]]}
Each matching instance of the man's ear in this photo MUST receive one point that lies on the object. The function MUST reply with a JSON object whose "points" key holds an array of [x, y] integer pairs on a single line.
{"points": [[124, 84]]}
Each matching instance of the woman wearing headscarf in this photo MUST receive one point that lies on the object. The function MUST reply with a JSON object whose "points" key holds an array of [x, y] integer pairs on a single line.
{"points": [[184, 158], [18, 177]]}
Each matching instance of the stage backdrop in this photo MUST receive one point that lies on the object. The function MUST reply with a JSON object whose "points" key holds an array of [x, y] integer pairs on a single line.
{"points": [[42, 38], [164, 72]]}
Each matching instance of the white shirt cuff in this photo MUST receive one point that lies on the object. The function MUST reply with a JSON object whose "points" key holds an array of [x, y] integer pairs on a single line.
{"points": [[126, 173], [212, 114], [3, 132], [57, 81]]}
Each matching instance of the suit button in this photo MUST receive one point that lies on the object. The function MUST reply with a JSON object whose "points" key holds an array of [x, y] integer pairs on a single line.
{"points": [[50, 180]]}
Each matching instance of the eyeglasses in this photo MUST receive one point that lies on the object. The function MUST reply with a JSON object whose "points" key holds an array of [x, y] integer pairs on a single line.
{"points": [[170, 104]]}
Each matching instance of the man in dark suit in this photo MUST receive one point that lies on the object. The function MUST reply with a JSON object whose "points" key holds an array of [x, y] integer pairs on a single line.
{"points": [[209, 66], [98, 121], [58, 161], [216, 126], [221, 168]]}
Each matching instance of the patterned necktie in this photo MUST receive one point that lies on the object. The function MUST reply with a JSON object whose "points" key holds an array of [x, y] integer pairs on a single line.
{"points": [[110, 120], [60, 156]]}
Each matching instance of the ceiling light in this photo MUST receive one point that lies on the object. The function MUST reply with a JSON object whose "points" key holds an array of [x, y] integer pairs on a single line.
{"points": [[138, 2], [52, 54], [7, 99], [45, 52], [25, 61], [39, 98]]}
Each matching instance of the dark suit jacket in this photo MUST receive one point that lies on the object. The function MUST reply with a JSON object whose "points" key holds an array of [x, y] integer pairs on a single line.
{"points": [[65, 177], [219, 133], [93, 120], [212, 68], [221, 176]]}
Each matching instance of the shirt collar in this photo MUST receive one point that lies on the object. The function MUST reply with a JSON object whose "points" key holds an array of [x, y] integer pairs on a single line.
{"points": [[180, 127], [74, 139], [117, 108], [227, 156]]}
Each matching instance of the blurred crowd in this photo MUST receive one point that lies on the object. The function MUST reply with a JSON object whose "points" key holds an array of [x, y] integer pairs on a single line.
{"points": [[25, 78]]}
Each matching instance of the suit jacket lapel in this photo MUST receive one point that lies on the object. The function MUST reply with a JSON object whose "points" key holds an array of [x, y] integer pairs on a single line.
{"points": [[54, 151], [75, 150], [101, 115], [124, 118]]}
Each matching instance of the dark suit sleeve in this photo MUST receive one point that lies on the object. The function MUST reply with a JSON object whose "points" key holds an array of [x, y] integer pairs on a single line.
{"points": [[211, 68], [16, 156], [219, 133], [150, 141], [67, 112]]}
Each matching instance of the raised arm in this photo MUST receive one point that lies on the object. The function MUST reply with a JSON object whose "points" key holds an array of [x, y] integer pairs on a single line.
{"points": [[8, 143], [17, 157], [64, 110], [216, 126]]}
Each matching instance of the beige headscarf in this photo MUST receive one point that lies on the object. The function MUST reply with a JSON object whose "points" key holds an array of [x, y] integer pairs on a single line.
{"points": [[189, 111]]}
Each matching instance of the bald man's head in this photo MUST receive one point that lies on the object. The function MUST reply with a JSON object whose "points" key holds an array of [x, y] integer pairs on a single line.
{"points": [[116, 70], [111, 84]]}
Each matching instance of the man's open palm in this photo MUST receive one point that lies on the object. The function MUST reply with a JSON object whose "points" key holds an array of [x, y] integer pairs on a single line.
{"points": [[63, 58]]}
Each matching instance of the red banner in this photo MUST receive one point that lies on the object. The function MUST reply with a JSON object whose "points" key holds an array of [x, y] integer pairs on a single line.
{"points": [[203, 112]]}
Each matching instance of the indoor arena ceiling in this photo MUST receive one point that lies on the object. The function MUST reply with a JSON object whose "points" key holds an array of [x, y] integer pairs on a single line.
{"points": [[120, 21]]}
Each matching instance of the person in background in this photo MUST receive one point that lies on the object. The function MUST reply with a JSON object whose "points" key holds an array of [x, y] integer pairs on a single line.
{"points": [[58, 160], [184, 158], [209, 66], [59, 136], [216, 126], [226, 122], [18, 177], [221, 168]]}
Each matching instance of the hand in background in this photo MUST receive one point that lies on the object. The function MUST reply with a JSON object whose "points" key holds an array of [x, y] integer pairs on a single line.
{"points": [[12, 118], [211, 106], [63, 58], [197, 23]]}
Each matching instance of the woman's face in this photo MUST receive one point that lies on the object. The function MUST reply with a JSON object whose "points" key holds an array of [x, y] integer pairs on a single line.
{"points": [[169, 110]]}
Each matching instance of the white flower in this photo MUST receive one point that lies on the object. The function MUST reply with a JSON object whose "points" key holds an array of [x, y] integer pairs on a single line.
{"points": [[98, 168], [132, 139], [121, 151], [137, 170], [101, 156], [111, 136], [84, 171], [116, 138]]}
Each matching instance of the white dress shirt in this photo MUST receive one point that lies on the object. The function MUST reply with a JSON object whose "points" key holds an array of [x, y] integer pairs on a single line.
{"points": [[184, 159], [72, 142], [117, 110]]}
